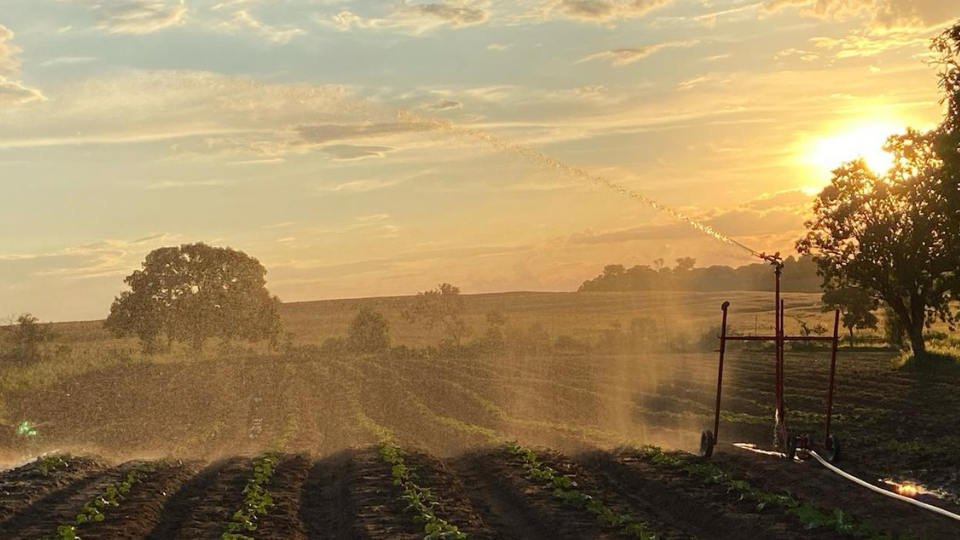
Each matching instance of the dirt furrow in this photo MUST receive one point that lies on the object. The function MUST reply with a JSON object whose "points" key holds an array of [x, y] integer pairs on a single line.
{"points": [[141, 509], [24, 486], [286, 486], [201, 507], [709, 511], [59, 508], [498, 487]]}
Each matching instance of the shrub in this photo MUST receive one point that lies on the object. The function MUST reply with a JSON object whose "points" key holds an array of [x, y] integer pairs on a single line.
{"points": [[27, 338], [369, 332], [570, 345]]}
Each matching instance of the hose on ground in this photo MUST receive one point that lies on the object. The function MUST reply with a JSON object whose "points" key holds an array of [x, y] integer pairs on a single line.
{"points": [[882, 491]]}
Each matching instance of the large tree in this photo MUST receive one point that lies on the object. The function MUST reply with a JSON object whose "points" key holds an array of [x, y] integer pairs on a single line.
{"points": [[897, 235], [195, 292], [890, 234], [440, 307]]}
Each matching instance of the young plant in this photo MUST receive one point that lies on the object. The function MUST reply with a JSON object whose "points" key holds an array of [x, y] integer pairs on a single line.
{"points": [[810, 516], [257, 501], [95, 509], [420, 501], [566, 489]]}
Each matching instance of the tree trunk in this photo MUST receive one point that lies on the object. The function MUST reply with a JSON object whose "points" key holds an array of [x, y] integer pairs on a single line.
{"points": [[915, 333], [851, 336], [916, 326]]}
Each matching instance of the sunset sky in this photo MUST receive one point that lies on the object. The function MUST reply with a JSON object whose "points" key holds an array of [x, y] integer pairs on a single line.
{"points": [[303, 132]]}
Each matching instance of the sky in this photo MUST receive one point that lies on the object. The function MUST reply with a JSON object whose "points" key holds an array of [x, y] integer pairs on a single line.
{"points": [[371, 148]]}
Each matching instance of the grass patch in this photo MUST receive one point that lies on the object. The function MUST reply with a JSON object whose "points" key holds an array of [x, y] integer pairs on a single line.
{"points": [[938, 360]]}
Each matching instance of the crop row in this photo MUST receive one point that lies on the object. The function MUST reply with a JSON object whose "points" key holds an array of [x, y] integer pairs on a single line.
{"points": [[256, 499], [421, 502], [810, 516], [95, 509], [566, 489]]}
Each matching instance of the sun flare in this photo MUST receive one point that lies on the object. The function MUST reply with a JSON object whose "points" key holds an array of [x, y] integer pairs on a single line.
{"points": [[829, 151]]}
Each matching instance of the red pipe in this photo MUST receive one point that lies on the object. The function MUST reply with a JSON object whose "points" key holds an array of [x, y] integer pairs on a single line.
{"points": [[723, 348], [833, 372]]}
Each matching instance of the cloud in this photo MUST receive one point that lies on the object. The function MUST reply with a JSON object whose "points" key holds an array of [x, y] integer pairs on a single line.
{"points": [[203, 113], [874, 41], [274, 34], [781, 213], [183, 184], [9, 63], [15, 92], [370, 184], [12, 90], [419, 18], [499, 47], [622, 57], [599, 11], [137, 16], [329, 132], [68, 61], [447, 104], [880, 13], [350, 152]]}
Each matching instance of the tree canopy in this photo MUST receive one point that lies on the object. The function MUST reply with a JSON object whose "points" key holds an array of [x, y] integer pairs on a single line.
{"points": [[440, 307], [195, 292], [801, 276], [890, 234], [369, 332]]}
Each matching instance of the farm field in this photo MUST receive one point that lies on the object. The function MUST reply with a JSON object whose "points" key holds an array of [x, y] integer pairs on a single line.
{"points": [[552, 446]]}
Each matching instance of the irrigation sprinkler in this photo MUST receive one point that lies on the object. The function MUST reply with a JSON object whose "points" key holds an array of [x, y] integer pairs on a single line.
{"points": [[790, 445]]}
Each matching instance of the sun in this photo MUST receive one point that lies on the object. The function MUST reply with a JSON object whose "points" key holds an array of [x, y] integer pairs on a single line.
{"points": [[865, 141]]}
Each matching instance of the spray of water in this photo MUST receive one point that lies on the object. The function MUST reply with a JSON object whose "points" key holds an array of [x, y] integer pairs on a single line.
{"points": [[551, 163]]}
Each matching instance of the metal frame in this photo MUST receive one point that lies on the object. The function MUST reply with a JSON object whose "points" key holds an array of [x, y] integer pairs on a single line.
{"points": [[783, 441]]}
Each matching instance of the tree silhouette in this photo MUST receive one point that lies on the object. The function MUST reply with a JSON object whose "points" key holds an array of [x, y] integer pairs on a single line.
{"points": [[441, 307], [369, 332], [890, 234], [27, 338], [194, 292]]}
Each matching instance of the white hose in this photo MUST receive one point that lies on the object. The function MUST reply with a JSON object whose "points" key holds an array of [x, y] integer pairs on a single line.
{"points": [[882, 491]]}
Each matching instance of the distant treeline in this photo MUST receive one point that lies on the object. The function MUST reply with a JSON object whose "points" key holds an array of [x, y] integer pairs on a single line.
{"points": [[799, 275]]}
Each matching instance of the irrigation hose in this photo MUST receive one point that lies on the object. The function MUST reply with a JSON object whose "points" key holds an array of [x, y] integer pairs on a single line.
{"points": [[882, 491]]}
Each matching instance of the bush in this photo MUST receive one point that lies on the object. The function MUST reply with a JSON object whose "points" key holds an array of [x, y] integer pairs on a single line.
{"points": [[570, 345], [369, 333], [335, 346], [931, 361], [27, 338]]}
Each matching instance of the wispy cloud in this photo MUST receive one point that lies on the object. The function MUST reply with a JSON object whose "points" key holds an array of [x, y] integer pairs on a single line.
{"points": [[68, 61], [351, 152], [622, 57], [879, 13], [417, 19], [598, 11], [12, 90], [280, 35], [137, 16], [186, 184]]}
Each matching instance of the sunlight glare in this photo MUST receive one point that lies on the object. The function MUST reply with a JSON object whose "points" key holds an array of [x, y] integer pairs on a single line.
{"points": [[828, 152]]}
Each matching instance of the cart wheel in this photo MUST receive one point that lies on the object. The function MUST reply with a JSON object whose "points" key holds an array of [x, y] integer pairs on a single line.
{"points": [[706, 443], [803, 447], [832, 451], [791, 450]]}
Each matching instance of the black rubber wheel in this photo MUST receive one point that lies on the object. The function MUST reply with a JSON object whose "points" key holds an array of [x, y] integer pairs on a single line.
{"points": [[706, 443], [791, 449], [832, 452]]}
